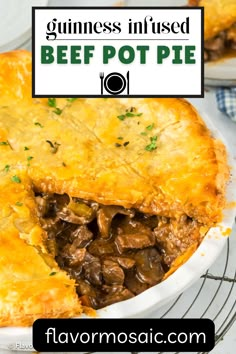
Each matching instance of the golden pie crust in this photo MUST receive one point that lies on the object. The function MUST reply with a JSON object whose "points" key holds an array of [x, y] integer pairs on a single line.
{"points": [[219, 15], [186, 174]]}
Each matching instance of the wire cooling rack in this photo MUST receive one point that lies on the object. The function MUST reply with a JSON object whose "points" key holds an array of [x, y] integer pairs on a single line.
{"points": [[213, 296]]}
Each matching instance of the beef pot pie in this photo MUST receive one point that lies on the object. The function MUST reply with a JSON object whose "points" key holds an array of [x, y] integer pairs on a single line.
{"points": [[219, 27], [100, 198]]}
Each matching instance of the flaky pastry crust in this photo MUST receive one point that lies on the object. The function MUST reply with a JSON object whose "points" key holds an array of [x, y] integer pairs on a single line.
{"points": [[219, 15], [185, 174]]}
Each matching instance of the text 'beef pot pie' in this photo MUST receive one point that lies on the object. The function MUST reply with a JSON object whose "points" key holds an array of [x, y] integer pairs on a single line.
{"points": [[100, 198], [219, 27]]}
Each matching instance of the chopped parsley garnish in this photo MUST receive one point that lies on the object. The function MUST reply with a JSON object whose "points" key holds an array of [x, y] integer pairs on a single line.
{"points": [[16, 179], [29, 158], [131, 109], [72, 99], [19, 203], [131, 114], [4, 143], [52, 102], [150, 127], [7, 168], [128, 115], [50, 143], [54, 146], [153, 145], [64, 164], [38, 124], [121, 117], [58, 111], [120, 138], [119, 145], [52, 273], [26, 148]]}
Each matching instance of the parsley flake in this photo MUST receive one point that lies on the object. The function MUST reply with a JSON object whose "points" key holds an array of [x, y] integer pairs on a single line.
{"points": [[144, 133], [54, 146], [150, 127], [38, 124], [29, 158], [58, 111], [19, 203], [52, 102], [7, 168], [128, 115], [4, 143], [52, 273], [26, 148], [72, 99], [16, 179], [153, 145], [117, 145], [131, 114], [126, 143], [121, 117], [120, 138]]}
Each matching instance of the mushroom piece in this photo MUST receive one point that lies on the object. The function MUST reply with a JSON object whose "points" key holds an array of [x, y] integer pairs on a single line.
{"points": [[69, 215], [149, 268], [105, 215]]}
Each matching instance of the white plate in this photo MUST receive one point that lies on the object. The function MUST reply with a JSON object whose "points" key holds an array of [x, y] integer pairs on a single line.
{"points": [[184, 277], [15, 24], [221, 73]]}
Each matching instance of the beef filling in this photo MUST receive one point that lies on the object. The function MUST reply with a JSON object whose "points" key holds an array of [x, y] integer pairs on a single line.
{"points": [[113, 253], [216, 47]]}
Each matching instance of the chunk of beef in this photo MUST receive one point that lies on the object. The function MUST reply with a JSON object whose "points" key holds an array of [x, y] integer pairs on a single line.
{"points": [[134, 241], [81, 236], [100, 247], [113, 294], [112, 273], [92, 269]]}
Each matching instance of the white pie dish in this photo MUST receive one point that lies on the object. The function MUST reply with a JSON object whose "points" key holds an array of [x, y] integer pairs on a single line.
{"points": [[221, 73], [15, 24]]}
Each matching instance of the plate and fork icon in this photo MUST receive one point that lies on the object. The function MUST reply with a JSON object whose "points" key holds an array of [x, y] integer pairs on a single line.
{"points": [[114, 83]]}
